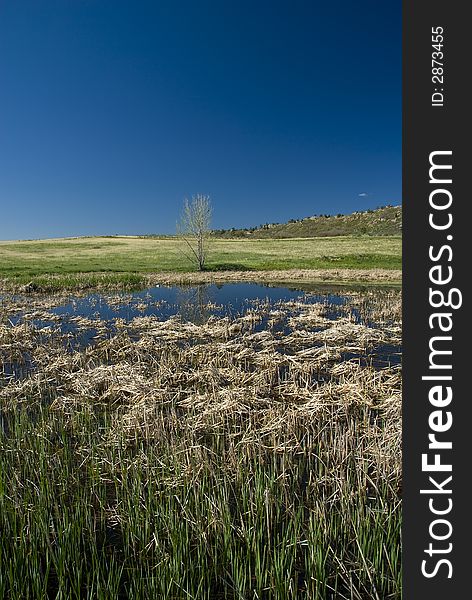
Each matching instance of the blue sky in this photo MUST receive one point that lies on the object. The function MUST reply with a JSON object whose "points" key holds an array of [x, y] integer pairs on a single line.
{"points": [[112, 112]]}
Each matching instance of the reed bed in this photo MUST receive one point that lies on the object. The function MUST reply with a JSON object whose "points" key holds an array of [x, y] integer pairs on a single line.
{"points": [[242, 457]]}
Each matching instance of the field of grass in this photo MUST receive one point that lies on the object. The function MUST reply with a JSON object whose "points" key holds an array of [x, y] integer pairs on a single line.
{"points": [[124, 258]]}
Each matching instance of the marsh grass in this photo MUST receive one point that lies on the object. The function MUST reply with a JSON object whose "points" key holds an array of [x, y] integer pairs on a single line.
{"points": [[174, 460]]}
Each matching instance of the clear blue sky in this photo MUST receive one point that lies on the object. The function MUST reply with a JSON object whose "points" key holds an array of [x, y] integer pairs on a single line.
{"points": [[112, 112]]}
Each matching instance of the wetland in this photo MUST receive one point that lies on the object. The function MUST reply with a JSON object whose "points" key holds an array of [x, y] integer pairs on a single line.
{"points": [[230, 440]]}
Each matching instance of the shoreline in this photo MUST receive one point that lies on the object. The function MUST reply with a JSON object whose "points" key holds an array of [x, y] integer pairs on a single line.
{"points": [[120, 281], [283, 276]]}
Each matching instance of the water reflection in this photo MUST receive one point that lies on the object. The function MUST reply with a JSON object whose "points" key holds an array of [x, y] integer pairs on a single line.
{"points": [[195, 303], [191, 302]]}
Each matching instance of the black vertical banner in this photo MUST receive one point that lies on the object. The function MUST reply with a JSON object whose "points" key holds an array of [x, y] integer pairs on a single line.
{"points": [[437, 257]]}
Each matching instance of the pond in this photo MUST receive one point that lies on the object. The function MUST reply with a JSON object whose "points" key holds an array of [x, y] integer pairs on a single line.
{"points": [[84, 321], [194, 303]]}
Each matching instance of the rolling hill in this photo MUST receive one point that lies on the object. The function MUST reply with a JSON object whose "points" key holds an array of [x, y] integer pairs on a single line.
{"points": [[383, 221]]}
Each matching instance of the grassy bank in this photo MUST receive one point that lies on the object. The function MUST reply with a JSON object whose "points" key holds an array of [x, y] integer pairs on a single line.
{"points": [[127, 261], [305, 278], [173, 460]]}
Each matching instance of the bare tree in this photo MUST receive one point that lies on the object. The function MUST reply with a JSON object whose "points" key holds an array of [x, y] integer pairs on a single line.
{"points": [[194, 229]]}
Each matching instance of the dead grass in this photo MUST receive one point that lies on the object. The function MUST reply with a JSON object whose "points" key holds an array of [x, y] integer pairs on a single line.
{"points": [[202, 410], [221, 367], [286, 276]]}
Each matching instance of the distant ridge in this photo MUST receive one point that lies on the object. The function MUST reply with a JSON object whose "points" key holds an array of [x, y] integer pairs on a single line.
{"points": [[383, 221]]}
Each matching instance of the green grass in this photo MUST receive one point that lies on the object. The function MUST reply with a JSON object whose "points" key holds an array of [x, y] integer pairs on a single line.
{"points": [[125, 257], [206, 537]]}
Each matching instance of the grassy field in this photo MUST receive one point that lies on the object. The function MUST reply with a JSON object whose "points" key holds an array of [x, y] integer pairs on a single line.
{"points": [[125, 257]]}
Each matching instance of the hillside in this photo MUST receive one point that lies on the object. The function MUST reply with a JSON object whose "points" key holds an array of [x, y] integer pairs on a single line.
{"points": [[384, 221]]}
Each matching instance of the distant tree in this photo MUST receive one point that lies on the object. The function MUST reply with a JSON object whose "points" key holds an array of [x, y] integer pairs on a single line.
{"points": [[194, 229]]}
